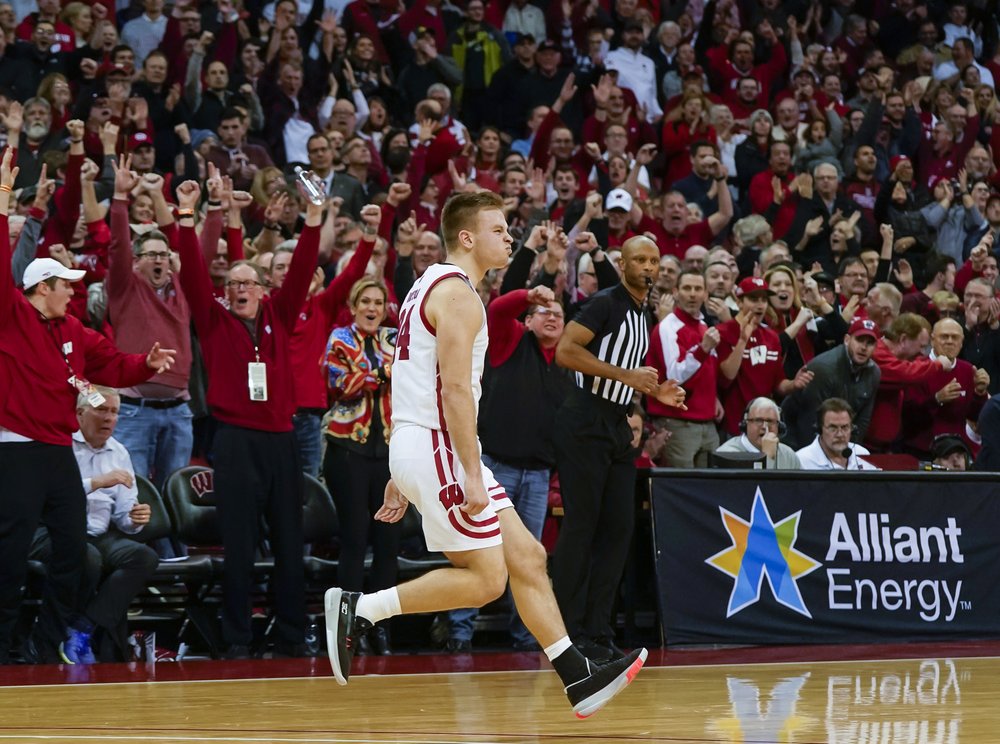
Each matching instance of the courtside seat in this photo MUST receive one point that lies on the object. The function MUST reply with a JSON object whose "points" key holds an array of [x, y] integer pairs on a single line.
{"points": [[319, 524], [160, 526]]}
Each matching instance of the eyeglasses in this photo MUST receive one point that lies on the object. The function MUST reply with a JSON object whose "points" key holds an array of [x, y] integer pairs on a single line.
{"points": [[763, 422], [234, 284], [835, 428], [156, 255], [546, 311]]}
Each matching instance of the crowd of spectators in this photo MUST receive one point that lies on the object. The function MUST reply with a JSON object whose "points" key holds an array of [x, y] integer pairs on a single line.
{"points": [[820, 179]]}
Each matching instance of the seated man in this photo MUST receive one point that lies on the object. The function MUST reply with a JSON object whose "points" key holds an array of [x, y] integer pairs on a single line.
{"points": [[832, 449], [760, 429], [113, 512]]}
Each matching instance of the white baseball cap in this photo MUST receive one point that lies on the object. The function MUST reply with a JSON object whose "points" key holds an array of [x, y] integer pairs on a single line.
{"points": [[45, 268], [618, 199]]}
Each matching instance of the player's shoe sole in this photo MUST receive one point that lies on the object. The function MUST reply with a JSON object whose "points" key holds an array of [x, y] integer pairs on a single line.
{"points": [[339, 610]]}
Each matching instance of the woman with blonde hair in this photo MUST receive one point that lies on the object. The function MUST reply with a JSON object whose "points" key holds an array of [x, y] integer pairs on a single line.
{"points": [[79, 17], [806, 323], [54, 88], [357, 427]]}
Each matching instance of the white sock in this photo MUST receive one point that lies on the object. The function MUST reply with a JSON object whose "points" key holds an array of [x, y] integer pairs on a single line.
{"points": [[558, 647], [379, 606]]}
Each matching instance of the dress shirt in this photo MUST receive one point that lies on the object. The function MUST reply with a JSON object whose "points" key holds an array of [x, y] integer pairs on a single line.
{"points": [[106, 504], [812, 457]]}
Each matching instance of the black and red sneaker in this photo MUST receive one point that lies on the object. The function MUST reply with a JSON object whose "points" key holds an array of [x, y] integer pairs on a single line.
{"points": [[605, 681], [343, 630]]}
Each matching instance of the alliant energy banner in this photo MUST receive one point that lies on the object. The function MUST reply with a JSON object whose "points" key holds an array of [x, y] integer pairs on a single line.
{"points": [[763, 558]]}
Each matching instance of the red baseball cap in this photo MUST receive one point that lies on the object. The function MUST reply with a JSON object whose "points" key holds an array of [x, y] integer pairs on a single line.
{"points": [[752, 285], [139, 139], [865, 327]]}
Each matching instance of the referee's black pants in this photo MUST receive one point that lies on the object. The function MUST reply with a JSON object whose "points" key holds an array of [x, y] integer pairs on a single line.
{"points": [[258, 474], [594, 455], [40, 484]]}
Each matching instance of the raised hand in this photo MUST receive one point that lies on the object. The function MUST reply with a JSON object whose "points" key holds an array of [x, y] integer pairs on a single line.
{"points": [[13, 120], [125, 178], [7, 173], [540, 295], [398, 193], [275, 206], [240, 200], [151, 183], [371, 216], [586, 242], [59, 253], [46, 186], [160, 359], [188, 194]]}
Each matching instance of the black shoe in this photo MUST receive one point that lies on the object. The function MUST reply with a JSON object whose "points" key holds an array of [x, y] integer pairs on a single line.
{"points": [[236, 651], [458, 646], [363, 646], [343, 628], [594, 651], [379, 639], [439, 630], [605, 681]]}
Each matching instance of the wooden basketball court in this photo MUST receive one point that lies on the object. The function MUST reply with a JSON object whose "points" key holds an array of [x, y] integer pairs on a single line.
{"points": [[946, 697]]}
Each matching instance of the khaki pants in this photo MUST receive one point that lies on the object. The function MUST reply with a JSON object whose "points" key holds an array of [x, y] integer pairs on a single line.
{"points": [[689, 442]]}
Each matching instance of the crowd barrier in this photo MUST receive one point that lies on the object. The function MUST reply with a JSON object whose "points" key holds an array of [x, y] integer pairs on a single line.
{"points": [[778, 557]]}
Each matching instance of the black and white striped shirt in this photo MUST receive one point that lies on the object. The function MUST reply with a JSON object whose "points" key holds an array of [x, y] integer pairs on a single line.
{"points": [[621, 338]]}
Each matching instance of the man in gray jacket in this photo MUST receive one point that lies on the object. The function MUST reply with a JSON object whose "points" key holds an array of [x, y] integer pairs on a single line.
{"points": [[846, 372], [761, 427]]}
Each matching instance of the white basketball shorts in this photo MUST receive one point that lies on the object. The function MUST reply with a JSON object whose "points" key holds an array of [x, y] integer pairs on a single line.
{"points": [[427, 471]]}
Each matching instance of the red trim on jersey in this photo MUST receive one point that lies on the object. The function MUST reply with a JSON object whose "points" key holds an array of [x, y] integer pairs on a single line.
{"points": [[469, 533], [423, 300], [481, 523], [438, 462], [439, 400], [446, 439]]}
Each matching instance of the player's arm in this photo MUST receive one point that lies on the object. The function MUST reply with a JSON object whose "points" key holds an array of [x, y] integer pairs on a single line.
{"points": [[456, 314]]}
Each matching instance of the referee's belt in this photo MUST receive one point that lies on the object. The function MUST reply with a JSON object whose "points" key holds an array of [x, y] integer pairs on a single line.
{"points": [[157, 403]]}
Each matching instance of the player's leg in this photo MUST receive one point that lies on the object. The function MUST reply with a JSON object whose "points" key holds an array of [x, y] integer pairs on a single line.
{"points": [[589, 686], [478, 577]]}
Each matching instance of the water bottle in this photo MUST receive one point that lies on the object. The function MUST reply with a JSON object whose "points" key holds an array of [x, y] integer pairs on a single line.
{"points": [[308, 186]]}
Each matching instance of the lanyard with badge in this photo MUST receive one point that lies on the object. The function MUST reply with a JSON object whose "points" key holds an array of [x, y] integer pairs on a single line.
{"points": [[256, 371], [81, 384]]}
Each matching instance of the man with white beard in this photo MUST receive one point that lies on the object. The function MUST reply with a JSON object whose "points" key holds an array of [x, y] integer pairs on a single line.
{"points": [[36, 139]]}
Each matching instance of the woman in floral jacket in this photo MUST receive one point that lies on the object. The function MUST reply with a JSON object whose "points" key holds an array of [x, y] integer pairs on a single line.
{"points": [[357, 427]]}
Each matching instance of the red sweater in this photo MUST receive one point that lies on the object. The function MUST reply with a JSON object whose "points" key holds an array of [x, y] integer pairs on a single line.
{"points": [[314, 325], [38, 400], [762, 197], [675, 350], [924, 419], [761, 370], [700, 233], [140, 314], [228, 347], [897, 374]]}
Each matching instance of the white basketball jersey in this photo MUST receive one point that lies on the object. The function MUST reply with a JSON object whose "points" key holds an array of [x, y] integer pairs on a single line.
{"points": [[416, 378]]}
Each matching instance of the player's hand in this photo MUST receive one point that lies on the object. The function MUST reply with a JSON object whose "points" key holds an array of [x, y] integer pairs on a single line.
{"points": [[393, 506], [475, 496]]}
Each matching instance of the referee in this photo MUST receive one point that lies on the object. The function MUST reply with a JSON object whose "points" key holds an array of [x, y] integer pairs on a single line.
{"points": [[605, 344]]}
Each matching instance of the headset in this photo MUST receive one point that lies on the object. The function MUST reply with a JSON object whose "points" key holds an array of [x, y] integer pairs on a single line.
{"points": [[782, 428]]}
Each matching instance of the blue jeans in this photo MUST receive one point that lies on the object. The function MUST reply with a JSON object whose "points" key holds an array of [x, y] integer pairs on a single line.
{"points": [[529, 492], [159, 440], [308, 433]]}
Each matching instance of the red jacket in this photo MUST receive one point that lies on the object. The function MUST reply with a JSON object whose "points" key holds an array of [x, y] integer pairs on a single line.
{"points": [[762, 197], [700, 233], [38, 400], [767, 74], [314, 325], [897, 374], [229, 348], [675, 350]]}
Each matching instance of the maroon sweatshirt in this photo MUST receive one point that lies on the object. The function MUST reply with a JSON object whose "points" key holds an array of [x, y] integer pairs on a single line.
{"points": [[138, 312], [38, 401], [229, 348]]}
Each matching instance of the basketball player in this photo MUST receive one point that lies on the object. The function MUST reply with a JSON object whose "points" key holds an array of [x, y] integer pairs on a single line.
{"points": [[434, 458]]}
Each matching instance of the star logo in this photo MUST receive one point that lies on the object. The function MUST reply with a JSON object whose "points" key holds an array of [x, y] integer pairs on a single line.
{"points": [[762, 548]]}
